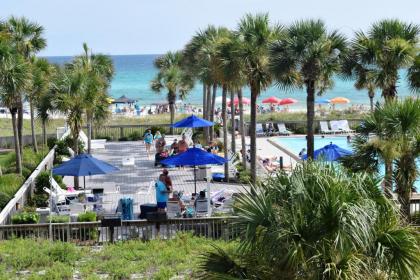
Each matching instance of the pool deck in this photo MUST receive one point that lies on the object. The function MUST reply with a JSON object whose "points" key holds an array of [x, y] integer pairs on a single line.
{"points": [[134, 181]]}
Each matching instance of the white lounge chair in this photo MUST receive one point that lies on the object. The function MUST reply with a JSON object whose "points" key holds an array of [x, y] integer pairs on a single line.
{"points": [[259, 130], [57, 189], [324, 129], [94, 143], [57, 198], [335, 127], [283, 130], [344, 126]]}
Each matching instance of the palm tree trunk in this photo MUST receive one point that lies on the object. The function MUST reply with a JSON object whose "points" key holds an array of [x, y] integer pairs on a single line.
{"points": [[225, 131], [213, 107], [34, 143], [17, 144], [371, 96], [389, 93], [171, 101], [388, 179], [44, 133], [252, 133], [406, 174], [242, 128], [310, 114], [89, 132], [232, 109], [20, 125], [204, 108]]}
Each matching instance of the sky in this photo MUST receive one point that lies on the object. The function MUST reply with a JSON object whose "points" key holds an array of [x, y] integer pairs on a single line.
{"points": [[156, 26]]}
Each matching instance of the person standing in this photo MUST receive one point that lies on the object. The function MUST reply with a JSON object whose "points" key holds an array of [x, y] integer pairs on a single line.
{"points": [[183, 144], [160, 144], [148, 141], [162, 194]]}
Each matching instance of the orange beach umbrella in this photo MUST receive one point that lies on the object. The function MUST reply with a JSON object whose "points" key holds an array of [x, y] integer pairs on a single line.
{"points": [[339, 100], [271, 100]]}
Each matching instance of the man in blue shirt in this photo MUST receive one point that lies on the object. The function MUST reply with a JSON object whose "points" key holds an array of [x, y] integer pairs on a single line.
{"points": [[162, 194]]}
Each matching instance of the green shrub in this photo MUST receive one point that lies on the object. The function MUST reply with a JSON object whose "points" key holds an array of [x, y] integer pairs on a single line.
{"points": [[70, 143], [25, 218], [106, 137], [88, 216], [4, 199], [62, 148], [58, 219], [124, 138], [51, 141], [10, 183], [135, 136], [39, 200], [43, 180]]}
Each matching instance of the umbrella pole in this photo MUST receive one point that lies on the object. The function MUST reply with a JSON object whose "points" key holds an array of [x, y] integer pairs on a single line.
{"points": [[84, 182], [195, 182]]}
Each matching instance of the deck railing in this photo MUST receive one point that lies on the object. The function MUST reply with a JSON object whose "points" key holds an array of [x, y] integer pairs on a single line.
{"points": [[92, 232]]}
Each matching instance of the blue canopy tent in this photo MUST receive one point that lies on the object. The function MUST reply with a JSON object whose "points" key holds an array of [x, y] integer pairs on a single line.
{"points": [[330, 152], [84, 165], [193, 121], [194, 157]]}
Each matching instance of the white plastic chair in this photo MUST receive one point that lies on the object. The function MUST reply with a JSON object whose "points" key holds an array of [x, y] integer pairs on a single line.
{"points": [[173, 209], [344, 126], [282, 129], [201, 207], [335, 127], [324, 129], [259, 130]]}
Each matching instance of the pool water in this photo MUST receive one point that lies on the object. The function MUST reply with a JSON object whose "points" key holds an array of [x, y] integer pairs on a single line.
{"points": [[296, 144]]}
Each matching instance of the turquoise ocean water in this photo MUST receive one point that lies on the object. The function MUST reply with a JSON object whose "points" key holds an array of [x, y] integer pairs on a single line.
{"points": [[134, 72]]}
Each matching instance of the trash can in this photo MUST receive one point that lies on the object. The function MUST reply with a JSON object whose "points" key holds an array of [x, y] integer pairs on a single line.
{"points": [[204, 173]]}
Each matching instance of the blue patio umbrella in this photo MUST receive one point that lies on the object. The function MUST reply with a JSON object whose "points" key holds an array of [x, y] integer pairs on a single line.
{"points": [[330, 152], [193, 121], [84, 165], [194, 157], [322, 101]]}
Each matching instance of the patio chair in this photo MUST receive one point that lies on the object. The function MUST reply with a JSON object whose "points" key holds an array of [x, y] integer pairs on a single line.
{"points": [[57, 198], [282, 129], [324, 129], [94, 143], [335, 127], [68, 194], [344, 126], [173, 209], [259, 130]]}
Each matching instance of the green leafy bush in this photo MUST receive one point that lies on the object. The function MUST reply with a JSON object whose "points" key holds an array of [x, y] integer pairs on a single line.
{"points": [[62, 148], [88, 216], [4, 199], [41, 182], [124, 138], [70, 143], [58, 219], [135, 136], [154, 129], [25, 218], [51, 141]]}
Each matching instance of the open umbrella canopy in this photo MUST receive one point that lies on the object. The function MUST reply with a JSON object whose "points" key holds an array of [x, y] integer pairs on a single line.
{"points": [[322, 101], [84, 165], [245, 101], [193, 121], [123, 100], [271, 100], [330, 152], [287, 101], [194, 157], [339, 100]]}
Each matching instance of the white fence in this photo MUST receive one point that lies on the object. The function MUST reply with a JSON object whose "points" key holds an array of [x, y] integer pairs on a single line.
{"points": [[26, 189]]}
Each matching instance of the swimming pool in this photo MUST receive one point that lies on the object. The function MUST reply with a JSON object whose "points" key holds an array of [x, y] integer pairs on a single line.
{"points": [[295, 144]]}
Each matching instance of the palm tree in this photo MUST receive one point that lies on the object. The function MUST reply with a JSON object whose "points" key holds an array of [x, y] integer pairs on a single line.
{"points": [[200, 56], [173, 78], [27, 38], [15, 74], [414, 75], [320, 222], [307, 56], [389, 45], [100, 70], [231, 73], [42, 72], [255, 35], [396, 143]]}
